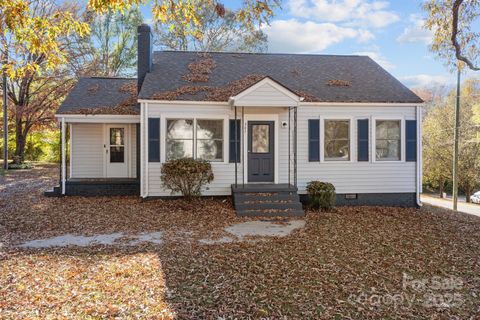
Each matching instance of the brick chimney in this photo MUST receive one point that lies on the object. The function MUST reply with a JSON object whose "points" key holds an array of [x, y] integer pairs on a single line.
{"points": [[144, 53]]}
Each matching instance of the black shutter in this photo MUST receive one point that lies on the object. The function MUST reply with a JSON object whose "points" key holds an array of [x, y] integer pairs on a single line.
{"points": [[411, 140], [313, 140], [362, 137], [153, 140], [231, 140]]}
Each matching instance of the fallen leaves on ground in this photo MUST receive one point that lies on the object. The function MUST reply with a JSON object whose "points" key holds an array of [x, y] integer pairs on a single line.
{"points": [[90, 284], [28, 215], [310, 274]]}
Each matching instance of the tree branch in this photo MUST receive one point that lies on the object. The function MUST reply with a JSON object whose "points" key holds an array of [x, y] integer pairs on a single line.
{"points": [[458, 49]]}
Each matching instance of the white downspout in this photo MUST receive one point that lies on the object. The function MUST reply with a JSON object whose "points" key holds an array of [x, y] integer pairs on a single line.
{"points": [[419, 154], [143, 150], [142, 158], [64, 169]]}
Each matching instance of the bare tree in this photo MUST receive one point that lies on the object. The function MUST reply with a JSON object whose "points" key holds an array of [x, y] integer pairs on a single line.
{"points": [[215, 32], [110, 49]]}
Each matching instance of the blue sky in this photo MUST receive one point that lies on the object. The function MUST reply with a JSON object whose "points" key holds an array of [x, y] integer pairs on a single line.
{"points": [[388, 31]]}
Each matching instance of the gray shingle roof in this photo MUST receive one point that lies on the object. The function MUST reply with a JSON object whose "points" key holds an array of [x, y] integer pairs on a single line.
{"points": [[101, 96], [302, 73], [306, 74]]}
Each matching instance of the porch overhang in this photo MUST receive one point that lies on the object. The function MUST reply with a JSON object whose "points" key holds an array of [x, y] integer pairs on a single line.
{"points": [[266, 93], [99, 140]]}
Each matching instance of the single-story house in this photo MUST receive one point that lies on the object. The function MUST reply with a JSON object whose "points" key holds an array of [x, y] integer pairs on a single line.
{"points": [[269, 124]]}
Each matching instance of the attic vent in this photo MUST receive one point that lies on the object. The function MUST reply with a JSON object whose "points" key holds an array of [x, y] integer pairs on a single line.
{"points": [[339, 83]]}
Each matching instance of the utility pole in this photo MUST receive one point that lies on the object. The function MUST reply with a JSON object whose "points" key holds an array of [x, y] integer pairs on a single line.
{"points": [[5, 117], [455, 138]]}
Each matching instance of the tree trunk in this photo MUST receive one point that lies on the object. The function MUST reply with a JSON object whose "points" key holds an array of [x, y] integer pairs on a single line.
{"points": [[441, 184], [468, 193], [20, 141]]}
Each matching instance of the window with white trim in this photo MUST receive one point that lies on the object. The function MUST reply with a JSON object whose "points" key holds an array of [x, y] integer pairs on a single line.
{"points": [[209, 139], [179, 138], [336, 140], [206, 143], [388, 140]]}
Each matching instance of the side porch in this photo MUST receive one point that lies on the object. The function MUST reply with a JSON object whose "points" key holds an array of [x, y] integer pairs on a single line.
{"points": [[99, 155]]}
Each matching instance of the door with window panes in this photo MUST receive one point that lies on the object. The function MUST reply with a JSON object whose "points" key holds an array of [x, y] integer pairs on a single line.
{"points": [[116, 151], [261, 151]]}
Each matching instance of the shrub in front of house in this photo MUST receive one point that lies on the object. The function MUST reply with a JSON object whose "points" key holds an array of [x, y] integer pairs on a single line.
{"points": [[321, 195], [186, 176]]}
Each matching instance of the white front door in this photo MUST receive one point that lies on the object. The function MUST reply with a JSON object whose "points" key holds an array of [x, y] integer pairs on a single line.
{"points": [[117, 151]]}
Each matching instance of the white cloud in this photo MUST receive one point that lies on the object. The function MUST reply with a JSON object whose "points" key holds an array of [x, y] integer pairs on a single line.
{"points": [[362, 13], [415, 33], [304, 37], [378, 58], [426, 80]]}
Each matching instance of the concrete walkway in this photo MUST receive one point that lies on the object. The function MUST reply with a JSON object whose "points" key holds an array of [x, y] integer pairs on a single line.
{"points": [[257, 228], [464, 207], [99, 239]]}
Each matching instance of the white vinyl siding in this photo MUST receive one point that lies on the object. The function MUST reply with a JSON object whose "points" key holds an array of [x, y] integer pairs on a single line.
{"points": [[266, 95], [133, 151], [347, 177], [88, 152], [354, 176]]}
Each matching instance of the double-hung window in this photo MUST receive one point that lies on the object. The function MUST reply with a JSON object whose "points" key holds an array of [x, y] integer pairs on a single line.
{"points": [[336, 140], [179, 138], [388, 140], [194, 138], [209, 140]]}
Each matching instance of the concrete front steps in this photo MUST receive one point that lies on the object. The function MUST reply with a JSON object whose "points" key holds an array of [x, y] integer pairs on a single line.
{"points": [[266, 200]]}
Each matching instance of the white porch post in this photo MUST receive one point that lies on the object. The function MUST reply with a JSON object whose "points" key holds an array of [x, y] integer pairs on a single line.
{"points": [[236, 148], [295, 145], [64, 167]]}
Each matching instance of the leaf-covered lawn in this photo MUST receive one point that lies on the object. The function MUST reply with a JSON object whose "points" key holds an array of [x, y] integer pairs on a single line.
{"points": [[351, 263], [88, 284]]}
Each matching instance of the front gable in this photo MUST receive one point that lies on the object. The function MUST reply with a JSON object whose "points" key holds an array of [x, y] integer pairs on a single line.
{"points": [[265, 93]]}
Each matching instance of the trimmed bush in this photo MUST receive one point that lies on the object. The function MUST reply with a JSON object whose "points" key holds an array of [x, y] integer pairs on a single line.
{"points": [[321, 195], [186, 176]]}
